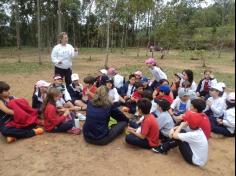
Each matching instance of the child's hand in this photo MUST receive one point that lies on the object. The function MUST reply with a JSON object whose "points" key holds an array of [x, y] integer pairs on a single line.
{"points": [[171, 133], [130, 129], [209, 103], [183, 124], [219, 121], [198, 94], [67, 112]]}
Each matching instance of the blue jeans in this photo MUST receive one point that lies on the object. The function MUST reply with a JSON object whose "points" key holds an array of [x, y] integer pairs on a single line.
{"points": [[134, 140], [18, 132], [64, 126]]}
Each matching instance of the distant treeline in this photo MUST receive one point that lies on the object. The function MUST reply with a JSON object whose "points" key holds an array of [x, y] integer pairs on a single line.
{"points": [[181, 24]]}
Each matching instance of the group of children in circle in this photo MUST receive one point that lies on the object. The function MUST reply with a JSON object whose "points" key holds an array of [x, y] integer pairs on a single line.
{"points": [[157, 115]]}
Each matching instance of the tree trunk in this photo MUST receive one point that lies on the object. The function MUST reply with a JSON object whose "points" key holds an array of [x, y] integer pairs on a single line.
{"points": [[108, 37], [59, 17], [18, 32], [74, 33], [39, 32]]}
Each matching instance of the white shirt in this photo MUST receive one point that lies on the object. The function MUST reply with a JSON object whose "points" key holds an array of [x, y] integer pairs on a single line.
{"points": [[113, 95], [129, 92], [218, 106], [63, 54], [157, 73], [229, 119], [176, 105], [118, 81], [198, 144], [154, 106]]}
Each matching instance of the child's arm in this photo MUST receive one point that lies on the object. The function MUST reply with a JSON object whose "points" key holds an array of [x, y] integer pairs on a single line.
{"points": [[5, 109], [178, 129], [54, 118], [133, 131]]}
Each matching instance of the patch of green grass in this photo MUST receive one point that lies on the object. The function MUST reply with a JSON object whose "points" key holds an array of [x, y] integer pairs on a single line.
{"points": [[23, 67]]}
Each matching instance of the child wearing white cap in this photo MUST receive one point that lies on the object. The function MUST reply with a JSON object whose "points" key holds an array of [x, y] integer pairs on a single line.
{"points": [[75, 89], [226, 126], [215, 104], [39, 94], [223, 94]]}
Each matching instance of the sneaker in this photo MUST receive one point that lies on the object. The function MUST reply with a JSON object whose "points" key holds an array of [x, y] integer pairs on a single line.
{"points": [[158, 149], [81, 116], [38, 131], [74, 130], [10, 139]]}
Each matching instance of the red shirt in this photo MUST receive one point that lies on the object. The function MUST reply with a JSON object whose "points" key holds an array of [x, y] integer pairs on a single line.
{"points": [[92, 90], [166, 97], [150, 129], [51, 117], [136, 95], [205, 125]]}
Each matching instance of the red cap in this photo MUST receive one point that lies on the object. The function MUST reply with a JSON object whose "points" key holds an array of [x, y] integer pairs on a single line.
{"points": [[193, 119]]}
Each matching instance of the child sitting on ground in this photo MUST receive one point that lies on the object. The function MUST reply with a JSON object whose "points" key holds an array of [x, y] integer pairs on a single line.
{"points": [[164, 120], [53, 122], [16, 123], [75, 89], [165, 94], [215, 104], [88, 92], [181, 104], [149, 135], [205, 84], [39, 95], [128, 89], [226, 125], [193, 144], [137, 95]]}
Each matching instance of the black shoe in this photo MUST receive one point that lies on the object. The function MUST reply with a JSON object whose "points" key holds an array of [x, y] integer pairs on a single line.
{"points": [[159, 149]]}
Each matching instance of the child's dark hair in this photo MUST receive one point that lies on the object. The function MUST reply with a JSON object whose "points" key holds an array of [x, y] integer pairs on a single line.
{"points": [[89, 80], [138, 84], [164, 105], [4, 87], [52, 92], [199, 104], [148, 94], [163, 80], [144, 105], [189, 73], [131, 76]]}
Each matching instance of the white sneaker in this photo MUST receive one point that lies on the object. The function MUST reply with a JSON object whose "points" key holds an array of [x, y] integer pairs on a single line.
{"points": [[81, 116]]}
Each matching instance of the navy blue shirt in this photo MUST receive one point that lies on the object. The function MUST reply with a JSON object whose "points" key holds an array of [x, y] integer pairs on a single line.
{"points": [[96, 124]]}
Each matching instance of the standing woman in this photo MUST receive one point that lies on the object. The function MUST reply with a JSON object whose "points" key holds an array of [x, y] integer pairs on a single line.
{"points": [[62, 55]]}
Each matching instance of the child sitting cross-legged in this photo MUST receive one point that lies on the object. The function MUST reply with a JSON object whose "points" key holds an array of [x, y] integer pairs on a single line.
{"points": [[190, 137], [53, 121], [149, 135]]}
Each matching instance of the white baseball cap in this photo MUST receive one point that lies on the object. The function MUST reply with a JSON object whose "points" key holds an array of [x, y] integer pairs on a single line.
{"points": [[42, 83], [103, 71], [231, 97], [217, 87], [74, 77]]}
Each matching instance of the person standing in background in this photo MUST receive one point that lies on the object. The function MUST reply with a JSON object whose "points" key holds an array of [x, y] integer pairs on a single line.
{"points": [[62, 55]]}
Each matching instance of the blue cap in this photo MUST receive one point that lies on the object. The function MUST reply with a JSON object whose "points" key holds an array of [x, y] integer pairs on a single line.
{"points": [[164, 88], [144, 80]]}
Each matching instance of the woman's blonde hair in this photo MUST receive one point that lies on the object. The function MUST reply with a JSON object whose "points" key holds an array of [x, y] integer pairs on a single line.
{"points": [[52, 92], [101, 97], [60, 37]]}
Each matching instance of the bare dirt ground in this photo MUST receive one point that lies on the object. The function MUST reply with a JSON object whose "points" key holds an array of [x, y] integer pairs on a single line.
{"points": [[65, 154]]}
